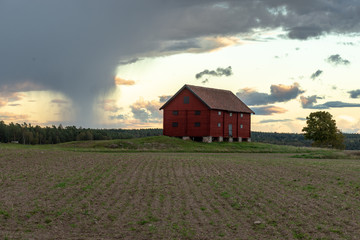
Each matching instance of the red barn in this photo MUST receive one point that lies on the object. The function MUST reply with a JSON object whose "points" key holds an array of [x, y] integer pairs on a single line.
{"points": [[208, 114]]}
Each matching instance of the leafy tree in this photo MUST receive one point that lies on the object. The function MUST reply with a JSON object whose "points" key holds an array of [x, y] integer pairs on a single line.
{"points": [[321, 128]]}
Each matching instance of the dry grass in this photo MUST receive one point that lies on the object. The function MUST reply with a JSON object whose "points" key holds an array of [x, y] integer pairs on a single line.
{"points": [[47, 194]]}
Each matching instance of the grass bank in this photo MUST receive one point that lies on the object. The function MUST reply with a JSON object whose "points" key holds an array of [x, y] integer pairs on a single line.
{"points": [[171, 144]]}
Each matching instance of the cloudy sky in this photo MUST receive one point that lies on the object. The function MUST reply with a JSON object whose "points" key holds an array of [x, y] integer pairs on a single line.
{"points": [[112, 64]]}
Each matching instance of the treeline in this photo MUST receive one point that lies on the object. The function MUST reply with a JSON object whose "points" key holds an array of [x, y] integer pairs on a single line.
{"points": [[29, 134], [351, 140]]}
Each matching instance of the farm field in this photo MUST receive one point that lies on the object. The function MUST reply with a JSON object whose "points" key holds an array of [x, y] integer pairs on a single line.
{"points": [[61, 194]]}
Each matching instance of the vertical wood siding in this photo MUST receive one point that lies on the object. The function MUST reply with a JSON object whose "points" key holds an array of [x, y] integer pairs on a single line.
{"points": [[208, 119], [186, 117]]}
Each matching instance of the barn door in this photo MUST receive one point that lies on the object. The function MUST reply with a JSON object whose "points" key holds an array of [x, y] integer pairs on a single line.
{"points": [[230, 130]]}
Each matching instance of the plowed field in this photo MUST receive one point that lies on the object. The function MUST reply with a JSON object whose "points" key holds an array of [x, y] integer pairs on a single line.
{"points": [[49, 194]]}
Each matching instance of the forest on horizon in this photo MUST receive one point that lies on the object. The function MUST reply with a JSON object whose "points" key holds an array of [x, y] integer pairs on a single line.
{"points": [[29, 134]]}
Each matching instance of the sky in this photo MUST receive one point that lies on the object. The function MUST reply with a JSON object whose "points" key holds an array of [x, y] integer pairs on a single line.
{"points": [[113, 64]]}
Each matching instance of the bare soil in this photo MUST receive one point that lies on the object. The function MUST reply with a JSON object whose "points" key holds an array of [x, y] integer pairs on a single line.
{"points": [[50, 194]]}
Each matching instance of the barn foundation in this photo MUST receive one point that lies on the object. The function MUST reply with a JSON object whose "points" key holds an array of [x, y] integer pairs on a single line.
{"points": [[185, 138], [207, 139], [240, 139]]}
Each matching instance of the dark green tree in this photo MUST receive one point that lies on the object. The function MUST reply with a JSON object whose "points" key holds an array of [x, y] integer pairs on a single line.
{"points": [[321, 128]]}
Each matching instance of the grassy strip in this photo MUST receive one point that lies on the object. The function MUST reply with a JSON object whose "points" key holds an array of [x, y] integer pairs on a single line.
{"points": [[170, 144]]}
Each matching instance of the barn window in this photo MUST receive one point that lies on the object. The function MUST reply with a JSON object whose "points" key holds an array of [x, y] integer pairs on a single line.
{"points": [[175, 124], [197, 112], [241, 126], [230, 114], [219, 113], [186, 100], [241, 115], [219, 124], [197, 124], [175, 113]]}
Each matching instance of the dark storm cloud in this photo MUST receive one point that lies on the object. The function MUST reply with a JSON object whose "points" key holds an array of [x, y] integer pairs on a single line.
{"points": [[347, 43], [275, 120], [164, 98], [109, 105], [182, 46], [118, 117], [74, 47], [309, 101], [316, 74], [215, 73], [354, 93], [333, 104], [337, 60], [278, 93], [251, 97], [305, 32], [126, 62], [59, 101]]}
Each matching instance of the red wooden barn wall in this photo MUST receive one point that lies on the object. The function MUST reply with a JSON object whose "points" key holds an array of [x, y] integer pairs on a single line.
{"points": [[186, 117], [208, 119], [225, 119]]}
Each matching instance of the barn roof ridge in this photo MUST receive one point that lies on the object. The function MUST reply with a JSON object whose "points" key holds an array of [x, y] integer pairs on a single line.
{"points": [[214, 98]]}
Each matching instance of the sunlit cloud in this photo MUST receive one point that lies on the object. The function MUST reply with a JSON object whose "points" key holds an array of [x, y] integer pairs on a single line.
{"points": [[3, 103], [147, 111], [121, 81], [8, 116], [8, 97], [25, 86], [268, 110], [348, 124], [347, 118], [137, 123]]}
